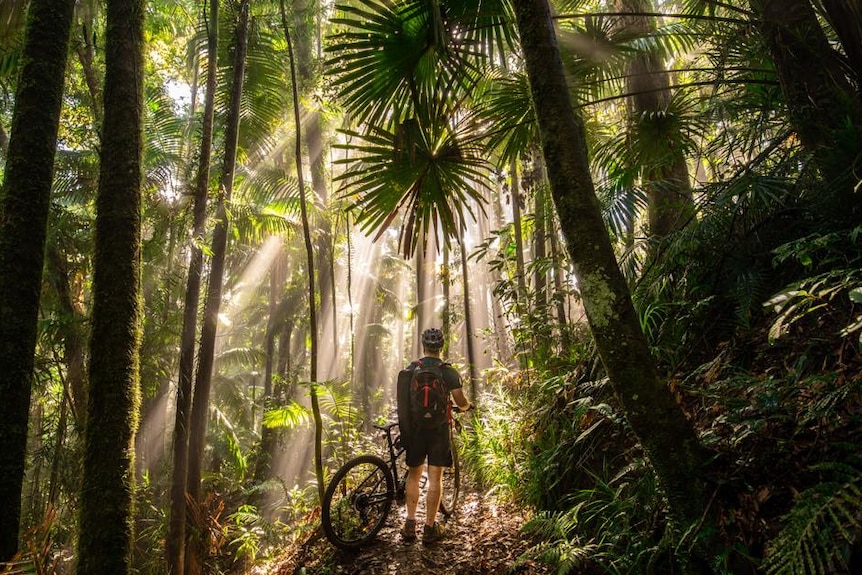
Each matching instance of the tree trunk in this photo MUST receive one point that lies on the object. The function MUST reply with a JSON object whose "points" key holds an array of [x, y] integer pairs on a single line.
{"points": [[824, 109], [74, 338], [304, 35], [540, 316], [521, 303], [658, 421], [176, 542], [107, 493], [468, 317], [446, 284], [209, 330], [501, 332], [278, 297], [24, 204], [559, 291], [845, 16], [309, 251], [667, 183], [86, 52]]}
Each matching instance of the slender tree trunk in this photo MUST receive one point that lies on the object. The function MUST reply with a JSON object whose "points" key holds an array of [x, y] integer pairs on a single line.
{"points": [[520, 269], [107, 493], [501, 332], [24, 205], [176, 542], [540, 316], [421, 297], [446, 282], [209, 330], [86, 51], [658, 421], [268, 435], [314, 126], [521, 302], [559, 292], [309, 249], [468, 317], [74, 338], [62, 426], [824, 109]]}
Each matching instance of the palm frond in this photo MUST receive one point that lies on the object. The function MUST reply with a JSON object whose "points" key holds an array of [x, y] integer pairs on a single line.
{"points": [[288, 416], [431, 172], [507, 108], [390, 59]]}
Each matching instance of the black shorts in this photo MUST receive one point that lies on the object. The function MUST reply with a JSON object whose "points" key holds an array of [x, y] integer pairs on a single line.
{"points": [[432, 444]]}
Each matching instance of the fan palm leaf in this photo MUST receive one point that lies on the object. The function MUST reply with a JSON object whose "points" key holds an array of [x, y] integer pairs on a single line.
{"points": [[384, 58], [427, 169]]}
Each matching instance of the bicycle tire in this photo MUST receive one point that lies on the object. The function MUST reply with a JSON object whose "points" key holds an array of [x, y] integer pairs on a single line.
{"points": [[357, 502], [451, 485]]}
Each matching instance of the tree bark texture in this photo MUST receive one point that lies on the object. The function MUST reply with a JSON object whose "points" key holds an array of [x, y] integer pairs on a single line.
{"points": [[105, 535], [175, 545], [658, 421], [24, 204]]}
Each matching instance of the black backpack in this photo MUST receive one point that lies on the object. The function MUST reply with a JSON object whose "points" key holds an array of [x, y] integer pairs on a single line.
{"points": [[423, 397]]}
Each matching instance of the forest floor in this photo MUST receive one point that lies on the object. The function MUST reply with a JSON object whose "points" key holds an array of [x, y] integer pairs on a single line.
{"points": [[483, 538]]}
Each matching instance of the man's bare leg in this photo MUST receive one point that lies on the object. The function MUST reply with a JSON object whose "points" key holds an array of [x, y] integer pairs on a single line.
{"points": [[411, 490], [411, 494], [435, 490]]}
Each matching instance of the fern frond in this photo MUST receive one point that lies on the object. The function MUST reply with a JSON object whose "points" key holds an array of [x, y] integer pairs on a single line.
{"points": [[818, 531]]}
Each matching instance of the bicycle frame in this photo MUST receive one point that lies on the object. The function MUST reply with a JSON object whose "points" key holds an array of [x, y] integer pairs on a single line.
{"points": [[395, 451]]}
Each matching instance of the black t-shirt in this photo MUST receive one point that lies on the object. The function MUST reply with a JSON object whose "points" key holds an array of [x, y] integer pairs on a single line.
{"points": [[450, 374]]}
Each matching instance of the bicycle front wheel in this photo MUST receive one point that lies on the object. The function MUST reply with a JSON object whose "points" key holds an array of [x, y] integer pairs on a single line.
{"points": [[357, 502]]}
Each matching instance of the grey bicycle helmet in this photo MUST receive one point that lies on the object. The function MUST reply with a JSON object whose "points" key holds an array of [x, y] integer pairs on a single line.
{"points": [[432, 339]]}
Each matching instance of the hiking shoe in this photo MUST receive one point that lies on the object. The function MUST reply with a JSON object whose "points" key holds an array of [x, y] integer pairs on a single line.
{"points": [[432, 534], [408, 532]]}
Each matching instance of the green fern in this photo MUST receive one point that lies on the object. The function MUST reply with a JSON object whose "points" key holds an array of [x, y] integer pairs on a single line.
{"points": [[819, 529]]}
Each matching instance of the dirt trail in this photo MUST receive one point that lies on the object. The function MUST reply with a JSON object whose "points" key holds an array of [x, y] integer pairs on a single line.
{"points": [[483, 538]]}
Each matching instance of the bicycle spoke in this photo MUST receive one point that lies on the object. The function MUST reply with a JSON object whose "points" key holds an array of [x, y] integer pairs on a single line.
{"points": [[357, 502]]}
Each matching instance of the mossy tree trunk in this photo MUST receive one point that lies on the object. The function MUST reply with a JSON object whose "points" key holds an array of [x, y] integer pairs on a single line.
{"points": [[24, 203], [658, 421], [105, 536]]}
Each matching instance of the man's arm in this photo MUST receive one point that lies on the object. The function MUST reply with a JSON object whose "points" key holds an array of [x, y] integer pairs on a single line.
{"points": [[461, 400]]}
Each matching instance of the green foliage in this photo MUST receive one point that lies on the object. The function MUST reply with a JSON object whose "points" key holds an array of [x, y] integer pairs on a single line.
{"points": [[288, 416], [611, 525], [431, 176], [820, 528], [39, 554], [151, 527], [831, 293], [539, 437]]}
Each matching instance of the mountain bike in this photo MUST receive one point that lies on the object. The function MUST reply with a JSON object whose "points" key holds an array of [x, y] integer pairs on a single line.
{"points": [[359, 497]]}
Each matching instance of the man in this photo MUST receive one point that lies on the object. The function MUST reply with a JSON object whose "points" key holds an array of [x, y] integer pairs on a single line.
{"points": [[431, 444]]}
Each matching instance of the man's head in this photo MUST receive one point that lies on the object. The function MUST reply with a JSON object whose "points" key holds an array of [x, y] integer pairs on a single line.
{"points": [[432, 340]]}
